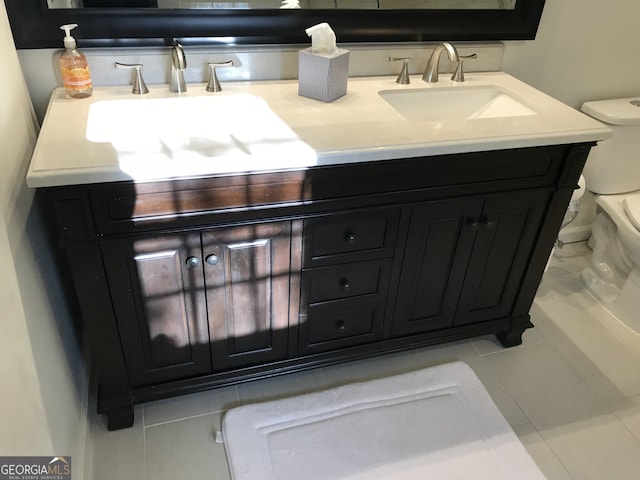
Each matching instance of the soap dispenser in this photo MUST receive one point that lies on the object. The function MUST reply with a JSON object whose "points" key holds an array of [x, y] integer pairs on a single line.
{"points": [[74, 67]]}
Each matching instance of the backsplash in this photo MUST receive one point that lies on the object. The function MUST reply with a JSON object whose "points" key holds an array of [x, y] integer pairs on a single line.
{"points": [[250, 63]]}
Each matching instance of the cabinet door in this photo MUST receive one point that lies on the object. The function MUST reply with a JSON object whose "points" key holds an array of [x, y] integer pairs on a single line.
{"points": [[247, 277], [507, 231], [439, 242], [158, 297]]}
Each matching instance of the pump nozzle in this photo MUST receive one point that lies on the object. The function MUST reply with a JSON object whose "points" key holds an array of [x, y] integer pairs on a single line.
{"points": [[69, 41]]}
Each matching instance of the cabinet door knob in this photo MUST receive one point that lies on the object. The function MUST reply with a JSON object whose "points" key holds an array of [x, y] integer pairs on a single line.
{"points": [[340, 326], [212, 259], [344, 284], [193, 262], [350, 238], [474, 225], [489, 224]]}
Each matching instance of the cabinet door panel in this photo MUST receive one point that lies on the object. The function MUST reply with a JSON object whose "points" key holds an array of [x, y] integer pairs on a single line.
{"points": [[160, 306], [508, 229], [436, 253], [247, 289]]}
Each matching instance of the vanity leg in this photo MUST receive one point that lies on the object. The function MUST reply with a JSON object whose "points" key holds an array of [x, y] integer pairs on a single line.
{"points": [[119, 417], [510, 338]]}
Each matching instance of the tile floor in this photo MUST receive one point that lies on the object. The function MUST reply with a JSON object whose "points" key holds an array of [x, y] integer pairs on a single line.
{"points": [[571, 393]]}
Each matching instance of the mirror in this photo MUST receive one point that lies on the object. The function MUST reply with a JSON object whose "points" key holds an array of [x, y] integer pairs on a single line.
{"points": [[35, 25], [306, 4]]}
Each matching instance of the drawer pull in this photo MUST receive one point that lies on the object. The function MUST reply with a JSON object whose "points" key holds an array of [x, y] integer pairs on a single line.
{"points": [[212, 259], [350, 238], [340, 326], [344, 284], [193, 262]]}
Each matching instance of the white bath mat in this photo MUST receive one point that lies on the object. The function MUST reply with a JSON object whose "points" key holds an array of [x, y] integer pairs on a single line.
{"points": [[437, 423]]}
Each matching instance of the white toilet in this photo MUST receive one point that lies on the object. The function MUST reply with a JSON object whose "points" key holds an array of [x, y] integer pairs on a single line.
{"points": [[612, 172]]}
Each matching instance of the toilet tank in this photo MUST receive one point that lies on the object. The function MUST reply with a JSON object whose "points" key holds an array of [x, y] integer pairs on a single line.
{"points": [[614, 165]]}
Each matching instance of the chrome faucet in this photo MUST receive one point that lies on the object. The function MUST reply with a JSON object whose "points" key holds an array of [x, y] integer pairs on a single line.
{"points": [[178, 66], [431, 72]]}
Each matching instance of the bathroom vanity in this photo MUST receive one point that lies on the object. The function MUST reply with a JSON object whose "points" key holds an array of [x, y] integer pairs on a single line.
{"points": [[395, 233]]}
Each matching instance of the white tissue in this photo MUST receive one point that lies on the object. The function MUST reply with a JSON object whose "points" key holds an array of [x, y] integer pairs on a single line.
{"points": [[290, 4], [323, 39]]}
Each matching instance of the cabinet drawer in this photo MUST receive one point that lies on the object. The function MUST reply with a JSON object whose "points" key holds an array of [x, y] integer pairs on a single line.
{"points": [[350, 237], [330, 328], [352, 280], [126, 206]]}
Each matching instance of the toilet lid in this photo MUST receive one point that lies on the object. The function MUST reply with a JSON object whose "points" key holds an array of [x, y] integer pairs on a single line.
{"points": [[632, 209]]}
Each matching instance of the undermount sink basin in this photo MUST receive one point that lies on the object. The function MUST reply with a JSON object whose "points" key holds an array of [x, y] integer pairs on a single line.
{"points": [[455, 103], [164, 137]]}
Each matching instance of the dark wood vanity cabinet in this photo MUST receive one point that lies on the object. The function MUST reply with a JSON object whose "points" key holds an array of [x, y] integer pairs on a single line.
{"points": [[195, 283]]}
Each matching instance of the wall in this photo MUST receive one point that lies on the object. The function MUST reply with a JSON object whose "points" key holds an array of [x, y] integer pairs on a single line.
{"points": [[43, 375], [585, 50]]}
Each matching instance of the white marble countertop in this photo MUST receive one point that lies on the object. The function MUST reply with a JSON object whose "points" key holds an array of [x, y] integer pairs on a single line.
{"points": [[361, 126]]}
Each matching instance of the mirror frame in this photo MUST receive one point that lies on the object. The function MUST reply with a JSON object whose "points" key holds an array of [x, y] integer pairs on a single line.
{"points": [[34, 25]]}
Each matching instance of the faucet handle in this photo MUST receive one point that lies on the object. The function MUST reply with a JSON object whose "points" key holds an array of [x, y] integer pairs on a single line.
{"points": [[403, 76], [139, 87], [214, 85], [458, 74]]}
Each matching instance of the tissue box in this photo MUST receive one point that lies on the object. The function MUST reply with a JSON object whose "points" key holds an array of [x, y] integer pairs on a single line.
{"points": [[323, 76]]}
